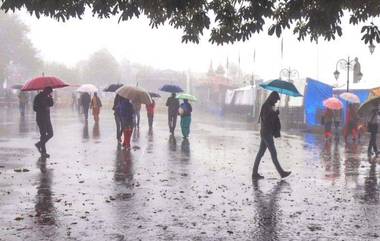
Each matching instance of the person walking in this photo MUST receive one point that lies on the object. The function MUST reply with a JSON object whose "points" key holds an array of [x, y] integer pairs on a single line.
{"points": [[85, 100], [116, 102], [96, 104], [137, 109], [327, 122], [41, 105], [351, 123], [270, 127], [126, 112], [185, 112], [372, 129], [173, 104], [23, 101], [150, 113]]}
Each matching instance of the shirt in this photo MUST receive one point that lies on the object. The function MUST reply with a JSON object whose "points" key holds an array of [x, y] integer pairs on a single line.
{"points": [[41, 105]]}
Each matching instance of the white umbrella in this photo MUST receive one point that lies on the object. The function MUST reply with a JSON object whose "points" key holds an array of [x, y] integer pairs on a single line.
{"points": [[89, 88]]}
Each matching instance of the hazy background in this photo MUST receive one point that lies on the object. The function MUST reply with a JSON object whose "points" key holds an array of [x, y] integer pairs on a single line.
{"points": [[76, 40]]}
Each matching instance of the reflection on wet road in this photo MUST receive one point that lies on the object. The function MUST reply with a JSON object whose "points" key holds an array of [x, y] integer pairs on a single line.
{"points": [[170, 188]]}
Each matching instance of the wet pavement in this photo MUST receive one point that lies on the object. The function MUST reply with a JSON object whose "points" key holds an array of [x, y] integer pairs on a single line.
{"points": [[172, 189]]}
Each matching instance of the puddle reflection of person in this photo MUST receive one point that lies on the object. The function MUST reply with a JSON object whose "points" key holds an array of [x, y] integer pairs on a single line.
{"points": [[124, 167], [267, 211], [370, 186], [172, 143], [45, 211]]}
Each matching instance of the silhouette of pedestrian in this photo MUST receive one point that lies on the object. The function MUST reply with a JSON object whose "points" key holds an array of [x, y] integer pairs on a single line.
{"points": [[270, 127]]}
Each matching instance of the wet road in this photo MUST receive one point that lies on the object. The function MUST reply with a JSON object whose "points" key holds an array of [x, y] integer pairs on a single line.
{"points": [[170, 189]]}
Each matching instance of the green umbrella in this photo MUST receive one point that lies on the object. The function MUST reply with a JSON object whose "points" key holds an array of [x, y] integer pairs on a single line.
{"points": [[367, 107], [185, 96]]}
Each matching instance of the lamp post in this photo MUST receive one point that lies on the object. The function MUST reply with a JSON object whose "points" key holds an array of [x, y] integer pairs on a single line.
{"points": [[289, 74], [345, 64]]}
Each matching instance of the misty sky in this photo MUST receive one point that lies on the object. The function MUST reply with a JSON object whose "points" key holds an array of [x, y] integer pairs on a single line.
{"points": [[134, 40]]}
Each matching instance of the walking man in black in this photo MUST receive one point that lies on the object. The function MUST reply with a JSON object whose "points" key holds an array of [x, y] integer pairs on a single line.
{"points": [[173, 105], [270, 127], [41, 105]]}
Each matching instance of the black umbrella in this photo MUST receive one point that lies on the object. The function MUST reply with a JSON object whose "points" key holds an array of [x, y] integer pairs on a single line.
{"points": [[154, 95], [112, 87]]}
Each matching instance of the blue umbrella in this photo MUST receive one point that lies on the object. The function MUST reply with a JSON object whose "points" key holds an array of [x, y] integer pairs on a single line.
{"points": [[171, 88], [282, 87]]}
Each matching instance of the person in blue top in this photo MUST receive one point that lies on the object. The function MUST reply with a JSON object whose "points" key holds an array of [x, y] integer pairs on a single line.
{"points": [[126, 113], [185, 110]]}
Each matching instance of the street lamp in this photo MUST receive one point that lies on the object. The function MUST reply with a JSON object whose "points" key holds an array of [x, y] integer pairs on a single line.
{"points": [[345, 64]]}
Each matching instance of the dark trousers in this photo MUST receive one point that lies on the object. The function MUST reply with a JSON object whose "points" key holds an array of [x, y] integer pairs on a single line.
{"points": [[372, 143], [150, 120], [172, 119], [46, 132], [85, 111], [118, 127], [267, 142]]}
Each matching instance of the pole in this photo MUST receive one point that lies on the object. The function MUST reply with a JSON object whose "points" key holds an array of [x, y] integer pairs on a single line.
{"points": [[348, 72]]}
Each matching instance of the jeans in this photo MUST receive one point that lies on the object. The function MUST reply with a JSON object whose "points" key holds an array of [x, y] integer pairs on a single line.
{"points": [[46, 132], [172, 119], [118, 126], [267, 142], [372, 143], [150, 120]]}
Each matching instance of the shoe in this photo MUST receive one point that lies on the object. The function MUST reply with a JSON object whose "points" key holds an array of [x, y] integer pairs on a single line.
{"points": [[38, 146], [257, 176], [45, 155], [285, 174]]}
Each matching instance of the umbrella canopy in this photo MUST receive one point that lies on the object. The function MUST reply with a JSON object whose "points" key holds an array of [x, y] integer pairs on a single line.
{"points": [[185, 96], [135, 94], [282, 87], [42, 82], [154, 95], [112, 87], [350, 97], [333, 103], [367, 107], [88, 88], [17, 86], [171, 88]]}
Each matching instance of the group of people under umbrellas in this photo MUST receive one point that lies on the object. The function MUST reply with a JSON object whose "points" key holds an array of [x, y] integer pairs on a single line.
{"points": [[127, 117], [357, 119], [124, 113]]}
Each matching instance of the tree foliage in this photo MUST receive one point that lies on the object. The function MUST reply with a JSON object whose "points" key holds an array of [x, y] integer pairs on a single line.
{"points": [[101, 68], [18, 57], [228, 20]]}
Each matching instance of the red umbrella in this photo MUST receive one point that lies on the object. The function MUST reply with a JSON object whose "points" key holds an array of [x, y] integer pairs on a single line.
{"points": [[333, 103], [40, 83]]}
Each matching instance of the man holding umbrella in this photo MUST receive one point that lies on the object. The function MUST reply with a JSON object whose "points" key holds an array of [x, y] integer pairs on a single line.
{"points": [[173, 105], [41, 105]]}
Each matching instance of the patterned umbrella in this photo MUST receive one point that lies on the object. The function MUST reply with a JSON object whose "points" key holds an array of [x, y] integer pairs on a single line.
{"points": [[333, 103], [350, 97], [41, 83]]}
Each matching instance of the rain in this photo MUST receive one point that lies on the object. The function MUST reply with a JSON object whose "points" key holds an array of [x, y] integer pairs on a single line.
{"points": [[117, 130]]}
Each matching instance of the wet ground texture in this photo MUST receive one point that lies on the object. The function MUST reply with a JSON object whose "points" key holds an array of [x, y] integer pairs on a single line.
{"points": [[167, 188]]}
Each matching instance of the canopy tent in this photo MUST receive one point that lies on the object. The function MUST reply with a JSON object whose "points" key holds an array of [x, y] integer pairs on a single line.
{"points": [[241, 96], [315, 93]]}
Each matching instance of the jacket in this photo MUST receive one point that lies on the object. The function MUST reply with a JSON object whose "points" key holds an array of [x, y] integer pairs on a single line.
{"points": [[41, 105]]}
